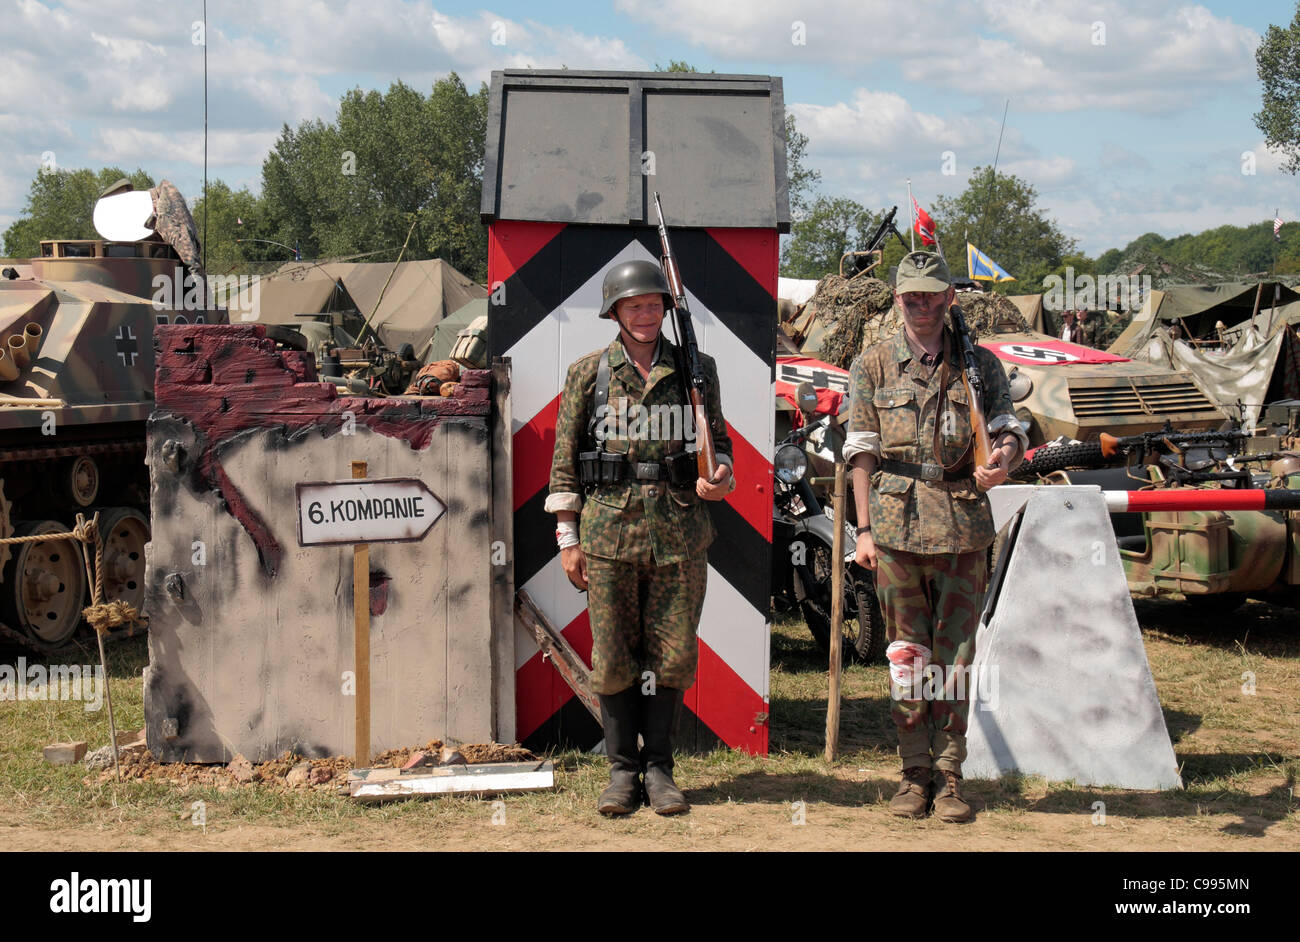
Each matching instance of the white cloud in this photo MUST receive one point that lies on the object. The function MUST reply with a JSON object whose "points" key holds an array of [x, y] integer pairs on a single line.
{"points": [[134, 74], [1147, 57]]}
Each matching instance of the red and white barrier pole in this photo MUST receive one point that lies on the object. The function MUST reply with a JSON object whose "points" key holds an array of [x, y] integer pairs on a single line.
{"points": [[1191, 498]]}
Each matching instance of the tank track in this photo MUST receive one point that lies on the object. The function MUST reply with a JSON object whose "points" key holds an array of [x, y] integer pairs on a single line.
{"points": [[13, 639]]}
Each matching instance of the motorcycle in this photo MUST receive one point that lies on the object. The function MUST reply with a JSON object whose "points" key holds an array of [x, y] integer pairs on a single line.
{"points": [[802, 539]]}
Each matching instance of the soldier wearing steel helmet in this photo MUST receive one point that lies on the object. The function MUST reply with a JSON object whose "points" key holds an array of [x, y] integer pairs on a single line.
{"points": [[925, 523], [632, 529]]}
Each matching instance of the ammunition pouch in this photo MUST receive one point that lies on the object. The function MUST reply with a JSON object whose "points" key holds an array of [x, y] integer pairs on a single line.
{"points": [[598, 468], [681, 469]]}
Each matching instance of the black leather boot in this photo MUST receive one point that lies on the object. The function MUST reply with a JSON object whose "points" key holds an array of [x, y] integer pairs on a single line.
{"points": [[621, 715], [657, 755]]}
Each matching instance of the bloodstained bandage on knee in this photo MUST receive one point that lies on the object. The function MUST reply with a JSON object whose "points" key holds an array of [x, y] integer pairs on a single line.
{"points": [[907, 663]]}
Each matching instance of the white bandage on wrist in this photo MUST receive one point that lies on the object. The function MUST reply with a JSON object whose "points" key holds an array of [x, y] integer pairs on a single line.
{"points": [[566, 534]]}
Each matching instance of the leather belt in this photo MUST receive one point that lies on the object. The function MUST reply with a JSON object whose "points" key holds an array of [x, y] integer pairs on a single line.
{"points": [[927, 471]]}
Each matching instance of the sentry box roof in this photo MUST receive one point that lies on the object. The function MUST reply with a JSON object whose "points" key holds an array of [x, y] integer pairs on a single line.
{"points": [[591, 147]]}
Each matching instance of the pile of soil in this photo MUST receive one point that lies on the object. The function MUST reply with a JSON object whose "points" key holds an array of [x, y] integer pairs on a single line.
{"points": [[328, 772]]}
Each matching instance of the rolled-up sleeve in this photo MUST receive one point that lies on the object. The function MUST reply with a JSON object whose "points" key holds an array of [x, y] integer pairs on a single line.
{"points": [[565, 492], [863, 433], [999, 410], [722, 444]]}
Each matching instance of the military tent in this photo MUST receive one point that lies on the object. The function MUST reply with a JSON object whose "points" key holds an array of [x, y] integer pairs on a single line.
{"points": [[1199, 307], [414, 299], [444, 335]]}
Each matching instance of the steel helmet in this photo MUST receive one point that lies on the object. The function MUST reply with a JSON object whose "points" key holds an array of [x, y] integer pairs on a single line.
{"points": [[629, 279]]}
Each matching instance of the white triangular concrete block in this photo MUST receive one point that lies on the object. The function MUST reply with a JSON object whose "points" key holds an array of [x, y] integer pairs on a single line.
{"points": [[1062, 687]]}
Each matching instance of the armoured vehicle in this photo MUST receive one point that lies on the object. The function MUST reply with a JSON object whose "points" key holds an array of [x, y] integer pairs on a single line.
{"points": [[1219, 558], [76, 387]]}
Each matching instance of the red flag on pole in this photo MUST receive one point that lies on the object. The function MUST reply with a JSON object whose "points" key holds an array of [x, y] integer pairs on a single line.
{"points": [[924, 224]]}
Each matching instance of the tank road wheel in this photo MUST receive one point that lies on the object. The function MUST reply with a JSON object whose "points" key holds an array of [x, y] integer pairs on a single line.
{"points": [[124, 531], [44, 586], [82, 478]]}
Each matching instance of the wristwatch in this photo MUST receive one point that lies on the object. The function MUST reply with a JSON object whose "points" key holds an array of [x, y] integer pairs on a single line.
{"points": [[862, 530]]}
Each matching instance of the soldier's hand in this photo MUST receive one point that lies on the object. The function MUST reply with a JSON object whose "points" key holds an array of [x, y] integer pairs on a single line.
{"points": [[866, 552], [998, 470], [718, 487], [574, 562]]}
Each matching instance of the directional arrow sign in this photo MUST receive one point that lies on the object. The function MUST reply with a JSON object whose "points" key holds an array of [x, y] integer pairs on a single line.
{"points": [[372, 510]]}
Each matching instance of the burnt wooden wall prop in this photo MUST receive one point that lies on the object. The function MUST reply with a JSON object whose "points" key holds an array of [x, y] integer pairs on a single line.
{"points": [[250, 634]]}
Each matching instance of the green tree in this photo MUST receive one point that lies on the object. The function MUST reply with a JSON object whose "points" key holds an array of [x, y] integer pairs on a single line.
{"points": [[237, 229], [830, 228], [801, 180], [60, 205], [677, 65], [1277, 60], [1000, 218], [387, 162]]}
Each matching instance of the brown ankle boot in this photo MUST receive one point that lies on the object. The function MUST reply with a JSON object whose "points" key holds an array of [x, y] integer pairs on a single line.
{"points": [[913, 797], [948, 804]]}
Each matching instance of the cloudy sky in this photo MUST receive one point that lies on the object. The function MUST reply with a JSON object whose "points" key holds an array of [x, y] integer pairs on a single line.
{"points": [[1128, 117]]}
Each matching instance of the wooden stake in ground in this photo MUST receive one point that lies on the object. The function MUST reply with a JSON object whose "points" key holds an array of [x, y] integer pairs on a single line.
{"points": [[361, 637], [837, 611]]}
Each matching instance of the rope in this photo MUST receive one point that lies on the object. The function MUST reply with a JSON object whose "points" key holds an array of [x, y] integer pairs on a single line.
{"points": [[102, 616]]}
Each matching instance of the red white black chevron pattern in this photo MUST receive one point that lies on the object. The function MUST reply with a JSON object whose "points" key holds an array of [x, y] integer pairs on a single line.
{"points": [[548, 277]]}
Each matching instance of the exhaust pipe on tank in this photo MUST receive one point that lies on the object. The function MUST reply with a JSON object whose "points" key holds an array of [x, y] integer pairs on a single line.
{"points": [[17, 346], [8, 370], [32, 334]]}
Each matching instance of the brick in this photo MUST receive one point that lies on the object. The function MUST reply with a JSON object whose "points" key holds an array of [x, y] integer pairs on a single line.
{"points": [[241, 769], [65, 753]]}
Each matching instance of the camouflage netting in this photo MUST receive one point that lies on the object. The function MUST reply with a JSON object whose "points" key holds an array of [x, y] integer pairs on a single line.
{"points": [[982, 311], [860, 312], [856, 312]]}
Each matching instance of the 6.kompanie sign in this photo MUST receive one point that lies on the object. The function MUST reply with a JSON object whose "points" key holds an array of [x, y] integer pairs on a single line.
{"points": [[378, 510]]}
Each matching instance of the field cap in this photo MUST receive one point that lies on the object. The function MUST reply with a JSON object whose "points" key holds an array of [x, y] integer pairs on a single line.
{"points": [[922, 271]]}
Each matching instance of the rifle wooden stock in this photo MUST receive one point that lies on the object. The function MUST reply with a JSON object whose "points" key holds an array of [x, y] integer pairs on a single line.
{"points": [[970, 377], [706, 461], [983, 446]]}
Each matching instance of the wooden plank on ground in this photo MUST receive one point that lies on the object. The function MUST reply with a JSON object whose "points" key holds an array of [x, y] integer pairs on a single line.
{"points": [[556, 647], [488, 778]]}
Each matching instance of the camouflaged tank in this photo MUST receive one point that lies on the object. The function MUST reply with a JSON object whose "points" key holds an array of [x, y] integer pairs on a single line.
{"points": [[76, 388]]}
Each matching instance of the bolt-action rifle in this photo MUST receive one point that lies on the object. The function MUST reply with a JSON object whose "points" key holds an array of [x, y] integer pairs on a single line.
{"points": [[706, 460], [974, 384]]}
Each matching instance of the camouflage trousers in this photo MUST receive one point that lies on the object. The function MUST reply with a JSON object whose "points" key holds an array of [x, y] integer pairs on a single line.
{"points": [[644, 618], [931, 606]]}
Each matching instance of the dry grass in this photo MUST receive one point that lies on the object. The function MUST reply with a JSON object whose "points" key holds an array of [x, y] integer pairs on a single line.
{"points": [[1238, 754]]}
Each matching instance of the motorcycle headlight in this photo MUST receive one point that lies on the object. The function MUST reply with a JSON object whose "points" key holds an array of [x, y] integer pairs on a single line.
{"points": [[791, 464]]}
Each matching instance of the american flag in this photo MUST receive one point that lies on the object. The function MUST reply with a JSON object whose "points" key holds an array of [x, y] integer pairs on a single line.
{"points": [[1277, 228]]}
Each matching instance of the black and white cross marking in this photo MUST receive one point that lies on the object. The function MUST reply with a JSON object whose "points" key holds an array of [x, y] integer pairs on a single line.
{"points": [[1026, 352], [127, 345], [821, 379]]}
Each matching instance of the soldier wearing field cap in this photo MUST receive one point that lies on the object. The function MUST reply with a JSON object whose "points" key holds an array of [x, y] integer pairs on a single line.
{"points": [[925, 524], [632, 529]]}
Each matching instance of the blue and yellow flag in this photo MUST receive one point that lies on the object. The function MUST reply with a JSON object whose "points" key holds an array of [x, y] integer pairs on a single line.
{"points": [[983, 268]]}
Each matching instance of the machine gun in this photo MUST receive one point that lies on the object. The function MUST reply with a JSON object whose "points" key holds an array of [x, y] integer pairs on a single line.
{"points": [[865, 260], [706, 456], [1183, 457]]}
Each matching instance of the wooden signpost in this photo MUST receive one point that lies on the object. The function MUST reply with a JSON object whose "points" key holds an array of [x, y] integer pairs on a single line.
{"points": [[835, 438], [360, 512]]}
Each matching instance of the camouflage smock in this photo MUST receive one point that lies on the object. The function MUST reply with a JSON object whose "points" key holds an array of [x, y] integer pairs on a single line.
{"points": [[893, 414], [633, 521]]}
